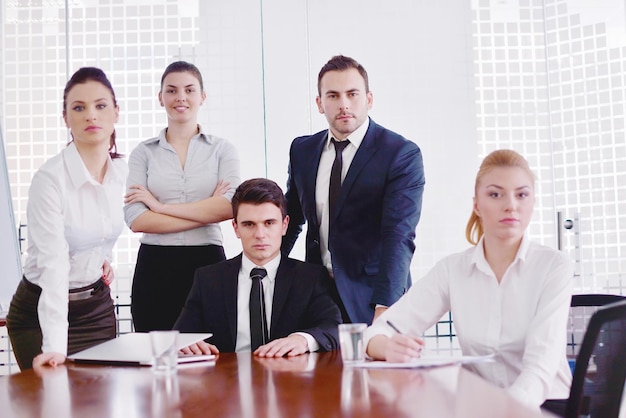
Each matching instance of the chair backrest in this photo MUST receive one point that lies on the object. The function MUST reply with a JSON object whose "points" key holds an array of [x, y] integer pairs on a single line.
{"points": [[581, 309], [600, 370]]}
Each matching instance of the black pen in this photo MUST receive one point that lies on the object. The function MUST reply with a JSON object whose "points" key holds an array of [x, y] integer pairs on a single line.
{"points": [[393, 327]]}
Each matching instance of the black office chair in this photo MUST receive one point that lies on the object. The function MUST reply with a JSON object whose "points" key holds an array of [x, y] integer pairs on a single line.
{"points": [[582, 307], [600, 371]]}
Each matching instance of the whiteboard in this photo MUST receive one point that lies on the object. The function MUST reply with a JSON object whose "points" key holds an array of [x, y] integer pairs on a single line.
{"points": [[10, 258]]}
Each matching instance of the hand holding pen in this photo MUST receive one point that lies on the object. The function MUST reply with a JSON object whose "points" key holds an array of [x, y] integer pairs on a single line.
{"points": [[402, 348]]}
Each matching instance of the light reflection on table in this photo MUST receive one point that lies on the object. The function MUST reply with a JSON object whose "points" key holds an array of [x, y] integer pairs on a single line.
{"points": [[241, 385]]}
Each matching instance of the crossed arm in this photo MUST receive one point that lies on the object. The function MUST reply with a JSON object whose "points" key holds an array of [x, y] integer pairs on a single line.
{"points": [[166, 218]]}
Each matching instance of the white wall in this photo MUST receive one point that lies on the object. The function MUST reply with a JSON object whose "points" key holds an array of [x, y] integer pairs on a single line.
{"points": [[261, 81]]}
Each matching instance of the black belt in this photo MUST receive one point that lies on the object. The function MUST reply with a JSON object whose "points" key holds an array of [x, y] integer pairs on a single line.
{"points": [[80, 293]]}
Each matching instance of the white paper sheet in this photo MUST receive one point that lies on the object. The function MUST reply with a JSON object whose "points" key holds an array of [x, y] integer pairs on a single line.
{"points": [[423, 362]]}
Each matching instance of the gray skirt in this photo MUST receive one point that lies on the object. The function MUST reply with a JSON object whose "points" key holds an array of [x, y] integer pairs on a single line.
{"points": [[91, 318]]}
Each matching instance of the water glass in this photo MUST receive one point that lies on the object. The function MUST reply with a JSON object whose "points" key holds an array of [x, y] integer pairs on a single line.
{"points": [[164, 351], [351, 342]]}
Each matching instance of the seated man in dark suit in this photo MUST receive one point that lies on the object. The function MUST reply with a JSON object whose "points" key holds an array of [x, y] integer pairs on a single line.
{"points": [[289, 313]]}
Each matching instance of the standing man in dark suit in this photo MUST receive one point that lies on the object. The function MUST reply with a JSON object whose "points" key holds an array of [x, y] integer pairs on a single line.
{"points": [[361, 199], [288, 311]]}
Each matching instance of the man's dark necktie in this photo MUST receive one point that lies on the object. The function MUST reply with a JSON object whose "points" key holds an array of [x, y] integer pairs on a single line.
{"points": [[335, 175], [258, 319]]}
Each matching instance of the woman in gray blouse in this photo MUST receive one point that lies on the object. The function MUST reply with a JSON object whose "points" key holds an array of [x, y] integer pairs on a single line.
{"points": [[179, 188]]}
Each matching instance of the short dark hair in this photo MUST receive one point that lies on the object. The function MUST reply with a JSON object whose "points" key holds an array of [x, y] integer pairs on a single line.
{"points": [[83, 75], [183, 67], [341, 63], [258, 191]]}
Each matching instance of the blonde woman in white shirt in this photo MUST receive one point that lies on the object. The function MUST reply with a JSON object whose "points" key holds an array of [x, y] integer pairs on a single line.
{"points": [[508, 295], [179, 188], [63, 303]]}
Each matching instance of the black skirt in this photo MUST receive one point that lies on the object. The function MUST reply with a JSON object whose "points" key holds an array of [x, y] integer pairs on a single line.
{"points": [[91, 321], [162, 280]]}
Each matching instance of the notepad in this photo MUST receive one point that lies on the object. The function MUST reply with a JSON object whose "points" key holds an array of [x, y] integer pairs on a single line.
{"points": [[131, 349]]}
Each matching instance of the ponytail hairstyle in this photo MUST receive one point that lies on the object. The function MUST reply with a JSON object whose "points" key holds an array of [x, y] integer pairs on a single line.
{"points": [[499, 158]]}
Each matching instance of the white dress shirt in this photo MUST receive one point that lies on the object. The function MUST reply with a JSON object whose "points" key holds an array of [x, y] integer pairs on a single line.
{"points": [[73, 223], [244, 285], [155, 165], [322, 183], [522, 319]]}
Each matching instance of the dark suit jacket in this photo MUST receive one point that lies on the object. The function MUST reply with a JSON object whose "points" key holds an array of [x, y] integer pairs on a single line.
{"points": [[373, 227], [301, 304]]}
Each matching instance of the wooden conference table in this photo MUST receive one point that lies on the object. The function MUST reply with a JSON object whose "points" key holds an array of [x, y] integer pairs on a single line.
{"points": [[240, 385]]}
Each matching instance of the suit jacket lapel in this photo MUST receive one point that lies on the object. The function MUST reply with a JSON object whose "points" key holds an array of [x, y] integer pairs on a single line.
{"points": [[366, 151], [284, 277], [310, 166], [231, 278]]}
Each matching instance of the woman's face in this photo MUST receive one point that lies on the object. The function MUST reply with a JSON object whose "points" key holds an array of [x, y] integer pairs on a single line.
{"points": [[504, 202], [182, 97], [91, 114]]}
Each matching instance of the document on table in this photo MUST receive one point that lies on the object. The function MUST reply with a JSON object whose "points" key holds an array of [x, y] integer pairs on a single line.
{"points": [[423, 362], [186, 361], [134, 349]]}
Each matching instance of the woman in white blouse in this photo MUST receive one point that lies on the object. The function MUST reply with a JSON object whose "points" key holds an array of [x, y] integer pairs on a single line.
{"points": [[508, 295], [179, 188], [63, 304]]}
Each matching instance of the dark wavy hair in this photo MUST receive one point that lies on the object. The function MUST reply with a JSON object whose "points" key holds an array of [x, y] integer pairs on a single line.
{"points": [[341, 63], [82, 76], [257, 191]]}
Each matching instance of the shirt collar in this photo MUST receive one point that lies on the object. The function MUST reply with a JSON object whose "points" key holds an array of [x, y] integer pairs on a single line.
{"points": [[522, 252], [355, 137], [479, 260], [271, 267], [78, 173], [162, 140]]}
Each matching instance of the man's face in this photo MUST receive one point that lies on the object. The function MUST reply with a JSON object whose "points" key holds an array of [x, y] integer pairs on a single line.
{"points": [[261, 229], [344, 101]]}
